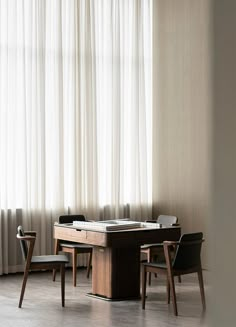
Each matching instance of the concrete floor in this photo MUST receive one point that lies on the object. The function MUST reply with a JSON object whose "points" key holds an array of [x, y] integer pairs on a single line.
{"points": [[42, 304]]}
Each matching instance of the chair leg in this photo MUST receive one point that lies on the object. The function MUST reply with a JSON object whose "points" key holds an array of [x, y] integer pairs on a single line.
{"points": [[168, 289], [201, 285], [144, 285], [54, 272], [56, 250], [63, 284], [149, 279], [89, 263], [74, 266], [179, 279], [26, 272], [173, 294], [149, 258]]}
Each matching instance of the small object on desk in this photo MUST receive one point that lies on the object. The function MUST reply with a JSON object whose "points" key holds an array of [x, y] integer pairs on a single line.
{"points": [[107, 225], [151, 225]]}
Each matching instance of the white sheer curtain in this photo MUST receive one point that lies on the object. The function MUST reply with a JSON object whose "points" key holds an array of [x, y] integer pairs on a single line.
{"points": [[123, 62], [75, 114]]}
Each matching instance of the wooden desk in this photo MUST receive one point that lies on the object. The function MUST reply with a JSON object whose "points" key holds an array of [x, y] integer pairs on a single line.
{"points": [[116, 256]]}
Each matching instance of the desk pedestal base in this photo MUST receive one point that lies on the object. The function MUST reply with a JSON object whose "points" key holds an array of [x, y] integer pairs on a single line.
{"points": [[113, 300], [116, 273]]}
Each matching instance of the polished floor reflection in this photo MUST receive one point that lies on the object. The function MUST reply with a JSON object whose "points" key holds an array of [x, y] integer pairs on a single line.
{"points": [[42, 304]]}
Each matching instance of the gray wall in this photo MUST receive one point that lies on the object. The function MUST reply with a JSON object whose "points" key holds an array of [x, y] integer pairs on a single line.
{"points": [[195, 133], [182, 112], [223, 225]]}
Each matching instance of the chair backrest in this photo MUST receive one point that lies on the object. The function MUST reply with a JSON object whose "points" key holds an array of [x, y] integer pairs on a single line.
{"points": [[67, 219], [188, 253], [167, 220], [23, 243]]}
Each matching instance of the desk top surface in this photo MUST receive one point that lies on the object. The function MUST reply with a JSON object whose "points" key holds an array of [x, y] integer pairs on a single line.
{"points": [[113, 225], [95, 233]]}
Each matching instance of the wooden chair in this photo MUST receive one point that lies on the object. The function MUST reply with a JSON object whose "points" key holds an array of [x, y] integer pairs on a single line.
{"points": [[27, 241], [73, 247], [187, 260], [155, 251]]}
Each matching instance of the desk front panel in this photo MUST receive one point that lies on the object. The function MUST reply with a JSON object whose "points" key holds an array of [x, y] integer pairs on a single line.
{"points": [[80, 236], [132, 237]]}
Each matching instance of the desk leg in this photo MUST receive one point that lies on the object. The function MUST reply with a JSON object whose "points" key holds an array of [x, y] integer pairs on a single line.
{"points": [[116, 273]]}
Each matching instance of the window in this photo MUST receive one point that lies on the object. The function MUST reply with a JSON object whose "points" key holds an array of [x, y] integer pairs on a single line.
{"points": [[75, 104]]}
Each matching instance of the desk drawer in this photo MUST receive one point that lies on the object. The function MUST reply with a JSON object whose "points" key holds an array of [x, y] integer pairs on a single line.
{"points": [[80, 236]]}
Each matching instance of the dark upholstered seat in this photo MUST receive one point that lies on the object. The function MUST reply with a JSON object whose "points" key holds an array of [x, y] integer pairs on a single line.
{"points": [[73, 247], [27, 241], [187, 260], [49, 258]]}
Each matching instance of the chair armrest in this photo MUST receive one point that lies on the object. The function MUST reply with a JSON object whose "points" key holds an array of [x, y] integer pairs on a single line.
{"points": [[26, 237], [168, 243], [155, 245], [175, 243], [30, 233]]}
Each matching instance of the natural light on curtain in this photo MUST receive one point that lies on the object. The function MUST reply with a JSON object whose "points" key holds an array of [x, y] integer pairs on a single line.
{"points": [[75, 109]]}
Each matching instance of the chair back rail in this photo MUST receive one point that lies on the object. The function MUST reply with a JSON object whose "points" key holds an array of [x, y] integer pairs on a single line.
{"points": [[188, 252], [67, 219], [167, 220]]}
